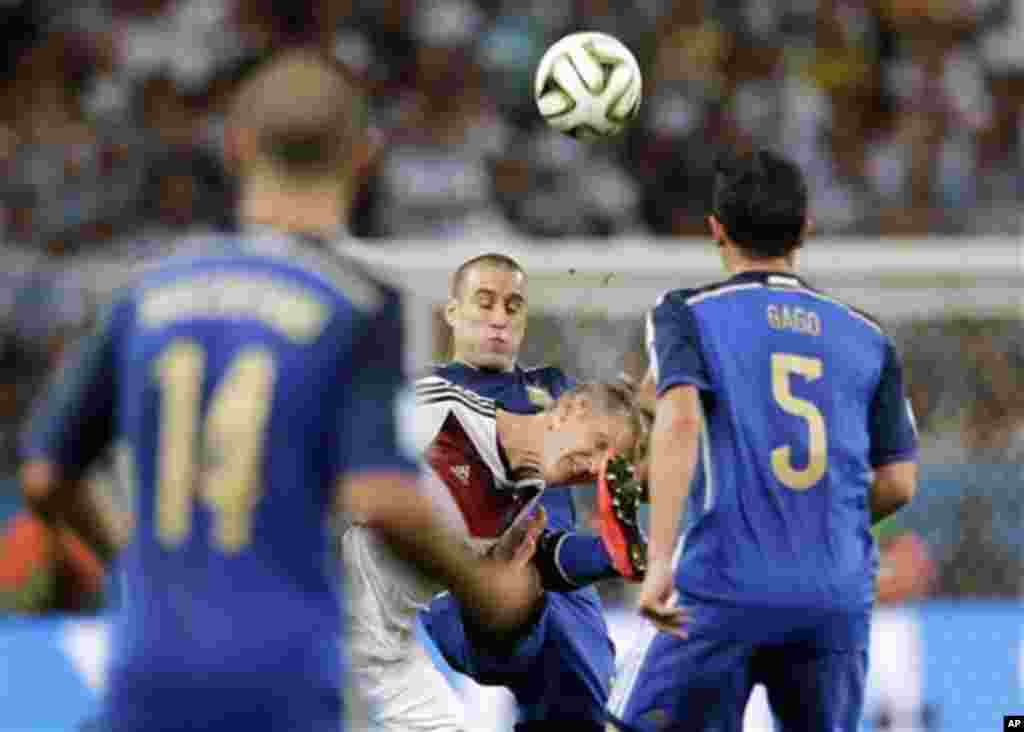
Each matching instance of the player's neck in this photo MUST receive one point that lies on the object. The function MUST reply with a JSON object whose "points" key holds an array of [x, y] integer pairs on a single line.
{"points": [[736, 263], [317, 209], [518, 436]]}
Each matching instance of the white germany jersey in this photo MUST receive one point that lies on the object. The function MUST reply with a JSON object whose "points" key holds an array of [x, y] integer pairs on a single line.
{"points": [[437, 399], [457, 434]]}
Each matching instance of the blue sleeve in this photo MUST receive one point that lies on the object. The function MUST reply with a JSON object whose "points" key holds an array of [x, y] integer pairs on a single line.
{"points": [[74, 421], [673, 345], [562, 383], [893, 433], [555, 381], [374, 421]]}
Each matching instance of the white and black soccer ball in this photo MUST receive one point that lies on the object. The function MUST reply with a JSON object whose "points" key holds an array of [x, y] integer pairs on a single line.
{"points": [[588, 85]]}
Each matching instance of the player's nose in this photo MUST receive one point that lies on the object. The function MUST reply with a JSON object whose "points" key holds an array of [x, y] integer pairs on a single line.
{"points": [[499, 319]]}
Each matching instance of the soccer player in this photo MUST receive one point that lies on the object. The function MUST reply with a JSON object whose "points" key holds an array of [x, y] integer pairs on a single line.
{"points": [[781, 434], [562, 675], [489, 468], [253, 389]]}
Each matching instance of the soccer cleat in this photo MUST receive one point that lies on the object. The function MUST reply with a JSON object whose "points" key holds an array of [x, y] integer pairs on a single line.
{"points": [[619, 495]]}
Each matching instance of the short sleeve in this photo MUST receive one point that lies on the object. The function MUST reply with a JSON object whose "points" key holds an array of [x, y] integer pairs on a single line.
{"points": [[893, 432], [376, 413], [74, 421], [673, 345]]}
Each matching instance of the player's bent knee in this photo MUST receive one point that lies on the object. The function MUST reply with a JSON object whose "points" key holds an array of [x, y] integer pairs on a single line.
{"points": [[506, 637], [508, 613]]}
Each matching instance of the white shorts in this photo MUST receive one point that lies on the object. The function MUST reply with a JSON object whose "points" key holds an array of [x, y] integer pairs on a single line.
{"points": [[393, 675], [410, 695]]}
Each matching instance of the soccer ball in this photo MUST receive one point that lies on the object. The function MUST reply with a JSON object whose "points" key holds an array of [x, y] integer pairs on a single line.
{"points": [[588, 85]]}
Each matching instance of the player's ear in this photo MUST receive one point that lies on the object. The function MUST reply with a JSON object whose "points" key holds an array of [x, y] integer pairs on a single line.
{"points": [[717, 230], [809, 228], [239, 144], [450, 309]]}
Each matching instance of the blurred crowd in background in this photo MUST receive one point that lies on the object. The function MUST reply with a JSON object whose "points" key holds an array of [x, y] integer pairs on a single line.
{"points": [[907, 115]]}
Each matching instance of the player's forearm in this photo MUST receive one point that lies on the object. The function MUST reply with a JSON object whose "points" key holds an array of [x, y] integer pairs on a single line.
{"points": [[412, 526], [673, 462], [419, 536], [568, 561]]}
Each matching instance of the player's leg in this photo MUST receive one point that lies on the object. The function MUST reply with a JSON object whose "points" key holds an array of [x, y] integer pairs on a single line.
{"points": [[569, 668], [475, 651], [409, 695], [812, 689], [559, 667], [391, 671], [668, 683]]}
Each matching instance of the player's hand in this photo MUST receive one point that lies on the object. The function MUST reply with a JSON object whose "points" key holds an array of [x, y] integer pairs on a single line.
{"points": [[519, 543], [506, 594], [658, 599]]}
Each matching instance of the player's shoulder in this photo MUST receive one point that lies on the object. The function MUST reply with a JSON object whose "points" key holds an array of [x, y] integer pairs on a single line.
{"points": [[323, 261], [856, 314], [308, 262], [680, 299], [544, 373], [688, 297], [551, 380], [439, 383], [436, 389], [681, 296]]}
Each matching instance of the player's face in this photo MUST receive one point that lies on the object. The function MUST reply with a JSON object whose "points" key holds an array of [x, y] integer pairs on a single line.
{"points": [[578, 440], [488, 319]]}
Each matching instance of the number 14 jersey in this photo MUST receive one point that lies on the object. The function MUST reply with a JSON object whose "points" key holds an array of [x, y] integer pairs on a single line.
{"points": [[242, 384]]}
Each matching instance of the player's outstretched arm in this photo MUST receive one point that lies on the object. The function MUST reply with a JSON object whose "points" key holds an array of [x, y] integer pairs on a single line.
{"points": [[673, 462], [501, 593]]}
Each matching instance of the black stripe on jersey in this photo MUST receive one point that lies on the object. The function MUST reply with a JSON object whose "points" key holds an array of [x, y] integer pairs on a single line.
{"points": [[428, 389], [484, 406], [456, 398]]}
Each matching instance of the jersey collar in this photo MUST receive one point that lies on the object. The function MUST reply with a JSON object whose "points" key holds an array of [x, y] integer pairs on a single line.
{"points": [[770, 279], [312, 240]]}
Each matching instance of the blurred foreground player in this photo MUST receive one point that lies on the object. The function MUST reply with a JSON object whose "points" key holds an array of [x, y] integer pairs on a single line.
{"points": [[561, 674], [253, 389], [488, 470], [781, 434]]}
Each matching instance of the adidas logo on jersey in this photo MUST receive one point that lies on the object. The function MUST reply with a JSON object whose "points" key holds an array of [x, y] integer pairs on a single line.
{"points": [[461, 472]]}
